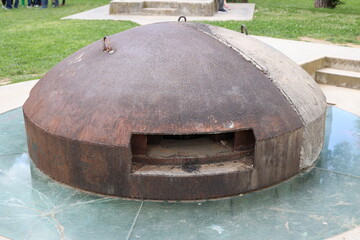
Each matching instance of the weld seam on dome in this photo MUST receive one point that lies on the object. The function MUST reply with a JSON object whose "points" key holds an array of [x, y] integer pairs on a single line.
{"points": [[308, 111], [258, 66]]}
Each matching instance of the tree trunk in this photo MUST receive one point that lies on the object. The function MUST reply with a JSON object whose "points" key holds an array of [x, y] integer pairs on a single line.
{"points": [[322, 3]]}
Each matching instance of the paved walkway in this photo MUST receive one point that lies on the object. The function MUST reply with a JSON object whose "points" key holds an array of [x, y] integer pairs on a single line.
{"points": [[14, 95], [238, 12], [344, 98], [302, 52], [349, 235]]}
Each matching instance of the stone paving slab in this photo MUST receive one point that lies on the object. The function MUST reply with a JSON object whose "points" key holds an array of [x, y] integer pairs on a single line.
{"points": [[14, 95], [345, 98], [238, 12], [350, 235], [303, 52]]}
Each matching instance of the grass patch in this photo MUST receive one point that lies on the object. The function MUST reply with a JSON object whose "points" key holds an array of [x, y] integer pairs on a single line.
{"points": [[292, 19], [32, 41]]}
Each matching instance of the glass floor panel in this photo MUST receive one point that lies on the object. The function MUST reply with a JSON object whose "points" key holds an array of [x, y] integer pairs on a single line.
{"points": [[316, 204]]}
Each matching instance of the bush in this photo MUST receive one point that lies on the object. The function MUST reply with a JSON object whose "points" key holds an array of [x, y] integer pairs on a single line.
{"points": [[334, 3], [327, 3]]}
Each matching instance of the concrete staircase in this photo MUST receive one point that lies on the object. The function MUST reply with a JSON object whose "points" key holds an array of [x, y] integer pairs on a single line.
{"points": [[160, 8], [334, 71], [164, 7], [160, 11], [338, 77]]}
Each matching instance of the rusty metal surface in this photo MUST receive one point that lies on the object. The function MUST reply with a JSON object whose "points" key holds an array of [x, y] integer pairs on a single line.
{"points": [[162, 79], [202, 150], [108, 170]]}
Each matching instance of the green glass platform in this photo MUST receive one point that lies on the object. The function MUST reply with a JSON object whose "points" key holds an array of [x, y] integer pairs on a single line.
{"points": [[319, 203]]}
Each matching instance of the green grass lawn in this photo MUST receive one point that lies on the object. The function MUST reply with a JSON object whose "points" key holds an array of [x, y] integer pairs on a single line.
{"points": [[34, 40], [292, 19]]}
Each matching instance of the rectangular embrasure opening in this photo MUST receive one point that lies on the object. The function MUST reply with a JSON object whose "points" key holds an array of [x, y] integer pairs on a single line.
{"points": [[175, 149]]}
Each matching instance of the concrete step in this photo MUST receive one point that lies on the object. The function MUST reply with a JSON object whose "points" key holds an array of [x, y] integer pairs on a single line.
{"points": [[337, 77], [343, 64], [164, 7], [160, 4], [160, 11], [328, 62]]}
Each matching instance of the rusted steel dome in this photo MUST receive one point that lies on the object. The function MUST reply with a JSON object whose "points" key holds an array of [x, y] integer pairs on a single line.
{"points": [[178, 111]]}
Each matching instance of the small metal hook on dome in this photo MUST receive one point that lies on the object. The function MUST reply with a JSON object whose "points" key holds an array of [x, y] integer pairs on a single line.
{"points": [[107, 46], [243, 29], [182, 17]]}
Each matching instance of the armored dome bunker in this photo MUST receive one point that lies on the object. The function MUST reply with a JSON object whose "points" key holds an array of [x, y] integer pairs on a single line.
{"points": [[180, 111]]}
